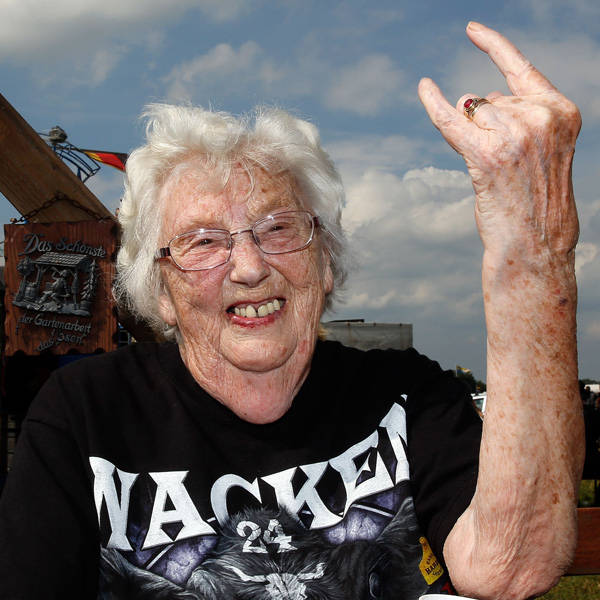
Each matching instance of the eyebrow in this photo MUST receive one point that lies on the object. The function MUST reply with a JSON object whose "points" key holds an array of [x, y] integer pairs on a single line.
{"points": [[202, 224], [271, 208], [283, 197], [266, 209]]}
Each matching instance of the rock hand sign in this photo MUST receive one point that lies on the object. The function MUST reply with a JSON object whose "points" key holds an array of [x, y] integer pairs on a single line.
{"points": [[58, 278]]}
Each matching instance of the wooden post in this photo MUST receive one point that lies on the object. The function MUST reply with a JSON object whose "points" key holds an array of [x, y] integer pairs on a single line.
{"points": [[31, 174], [587, 554]]}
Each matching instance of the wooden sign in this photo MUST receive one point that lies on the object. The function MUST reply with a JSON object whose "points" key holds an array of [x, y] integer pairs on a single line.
{"points": [[58, 287]]}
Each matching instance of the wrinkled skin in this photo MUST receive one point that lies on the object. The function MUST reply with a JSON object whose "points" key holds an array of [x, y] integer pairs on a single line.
{"points": [[518, 151], [253, 366], [518, 535]]}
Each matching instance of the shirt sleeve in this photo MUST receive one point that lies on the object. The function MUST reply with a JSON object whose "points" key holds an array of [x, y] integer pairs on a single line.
{"points": [[48, 528], [444, 435]]}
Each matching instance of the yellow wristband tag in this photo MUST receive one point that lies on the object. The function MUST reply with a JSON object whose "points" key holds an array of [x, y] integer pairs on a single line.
{"points": [[430, 566]]}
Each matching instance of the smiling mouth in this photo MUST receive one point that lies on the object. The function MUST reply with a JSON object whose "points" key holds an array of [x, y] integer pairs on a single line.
{"points": [[257, 311]]}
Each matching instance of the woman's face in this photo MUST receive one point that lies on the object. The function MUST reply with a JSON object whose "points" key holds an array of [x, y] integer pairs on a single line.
{"points": [[202, 304]]}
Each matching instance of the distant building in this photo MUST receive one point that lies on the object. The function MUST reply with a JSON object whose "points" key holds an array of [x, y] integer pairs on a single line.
{"points": [[365, 336]]}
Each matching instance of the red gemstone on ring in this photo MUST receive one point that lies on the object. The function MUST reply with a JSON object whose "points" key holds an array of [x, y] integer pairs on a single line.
{"points": [[468, 103]]}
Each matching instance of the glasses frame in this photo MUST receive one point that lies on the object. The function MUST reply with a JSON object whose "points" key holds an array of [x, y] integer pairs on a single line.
{"points": [[165, 252]]}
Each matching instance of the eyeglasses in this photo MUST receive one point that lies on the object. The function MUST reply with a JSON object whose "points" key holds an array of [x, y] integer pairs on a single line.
{"points": [[203, 249]]}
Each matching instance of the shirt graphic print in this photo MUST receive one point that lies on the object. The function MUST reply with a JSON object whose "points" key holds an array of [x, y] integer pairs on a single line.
{"points": [[337, 529]]}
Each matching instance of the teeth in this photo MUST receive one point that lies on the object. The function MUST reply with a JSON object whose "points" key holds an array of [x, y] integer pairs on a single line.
{"points": [[263, 310]]}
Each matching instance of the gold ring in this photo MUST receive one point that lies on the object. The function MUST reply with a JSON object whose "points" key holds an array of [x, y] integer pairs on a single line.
{"points": [[472, 104]]}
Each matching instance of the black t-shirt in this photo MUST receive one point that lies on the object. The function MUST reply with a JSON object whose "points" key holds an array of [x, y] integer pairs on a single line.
{"points": [[337, 499]]}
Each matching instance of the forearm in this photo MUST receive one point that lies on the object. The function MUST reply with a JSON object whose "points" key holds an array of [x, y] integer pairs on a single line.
{"points": [[521, 524], [518, 534]]}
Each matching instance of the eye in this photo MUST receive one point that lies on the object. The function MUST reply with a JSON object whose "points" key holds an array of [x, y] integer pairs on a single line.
{"points": [[205, 241], [198, 241], [374, 585], [278, 225]]}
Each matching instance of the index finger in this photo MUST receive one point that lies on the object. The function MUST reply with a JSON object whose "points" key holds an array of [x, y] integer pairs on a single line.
{"points": [[521, 76]]}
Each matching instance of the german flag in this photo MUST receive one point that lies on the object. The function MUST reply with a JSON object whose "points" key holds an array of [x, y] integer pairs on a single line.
{"points": [[114, 159]]}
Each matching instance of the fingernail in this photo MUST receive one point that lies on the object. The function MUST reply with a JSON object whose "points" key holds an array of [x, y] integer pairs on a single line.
{"points": [[474, 26]]}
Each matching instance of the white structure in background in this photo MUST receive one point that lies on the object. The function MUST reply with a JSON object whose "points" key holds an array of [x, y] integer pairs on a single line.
{"points": [[479, 400], [365, 336]]}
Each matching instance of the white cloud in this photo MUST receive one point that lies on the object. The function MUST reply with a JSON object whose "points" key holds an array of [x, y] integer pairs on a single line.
{"points": [[430, 203], [362, 300], [590, 209], [417, 247], [35, 28], [419, 256], [89, 69], [385, 153], [366, 87], [107, 186], [103, 63], [424, 294], [92, 36], [586, 253], [223, 64]]}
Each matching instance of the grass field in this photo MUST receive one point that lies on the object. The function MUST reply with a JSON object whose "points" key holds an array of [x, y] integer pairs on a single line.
{"points": [[580, 587], [586, 493]]}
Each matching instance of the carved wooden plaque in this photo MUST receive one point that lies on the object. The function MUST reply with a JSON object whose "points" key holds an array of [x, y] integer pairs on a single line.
{"points": [[58, 287]]}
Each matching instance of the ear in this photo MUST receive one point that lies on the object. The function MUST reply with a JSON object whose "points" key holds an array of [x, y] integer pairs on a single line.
{"points": [[327, 272], [166, 308]]}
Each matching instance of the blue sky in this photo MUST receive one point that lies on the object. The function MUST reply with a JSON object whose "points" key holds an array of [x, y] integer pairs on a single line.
{"points": [[351, 68]]}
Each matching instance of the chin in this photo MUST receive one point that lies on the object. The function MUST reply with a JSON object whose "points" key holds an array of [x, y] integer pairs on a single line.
{"points": [[261, 415], [260, 355]]}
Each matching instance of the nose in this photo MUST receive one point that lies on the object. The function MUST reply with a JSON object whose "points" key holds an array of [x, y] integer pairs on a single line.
{"points": [[248, 265]]}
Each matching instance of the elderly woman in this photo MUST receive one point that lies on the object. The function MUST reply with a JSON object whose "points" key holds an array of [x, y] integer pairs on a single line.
{"points": [[248, 459]]}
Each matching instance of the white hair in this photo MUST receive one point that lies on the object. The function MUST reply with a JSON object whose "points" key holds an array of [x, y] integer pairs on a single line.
{"points": [[270, 139]]}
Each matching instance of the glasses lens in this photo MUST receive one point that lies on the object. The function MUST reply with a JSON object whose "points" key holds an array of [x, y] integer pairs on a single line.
{"points": [[284, 232], [200, 249]]}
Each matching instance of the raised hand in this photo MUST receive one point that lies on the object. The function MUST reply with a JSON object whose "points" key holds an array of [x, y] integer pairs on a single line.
{"points": [[512, 541], [518, 150]]}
